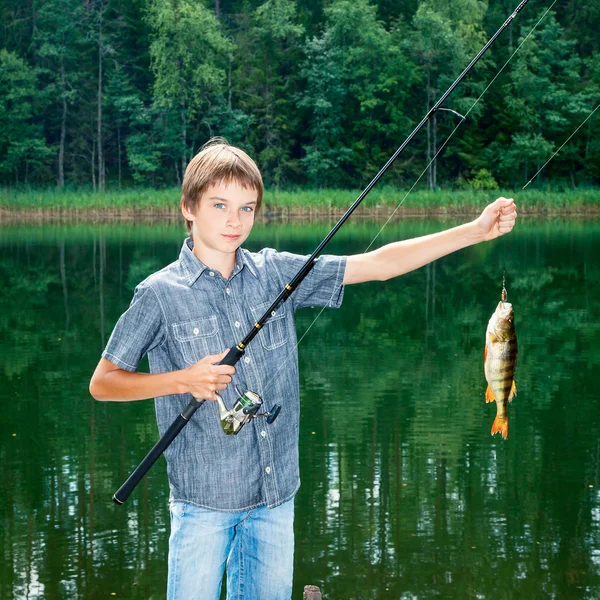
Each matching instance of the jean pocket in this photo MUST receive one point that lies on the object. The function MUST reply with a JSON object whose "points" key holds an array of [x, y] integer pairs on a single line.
{"points": [[177, 510], [273, 333], [198, 338]]}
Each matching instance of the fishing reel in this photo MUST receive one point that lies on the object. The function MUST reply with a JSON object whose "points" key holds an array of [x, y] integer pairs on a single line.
{"points": [[245, 409]]}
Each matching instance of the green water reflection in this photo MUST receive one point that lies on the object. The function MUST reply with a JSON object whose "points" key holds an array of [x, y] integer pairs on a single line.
{"points": [[404, 492]]}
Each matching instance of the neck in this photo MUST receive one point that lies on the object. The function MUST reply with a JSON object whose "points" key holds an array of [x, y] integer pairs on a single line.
{"points": [[217, 261]]}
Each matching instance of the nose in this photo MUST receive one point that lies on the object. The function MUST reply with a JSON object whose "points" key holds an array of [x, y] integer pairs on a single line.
{"points": [[233, 220]]}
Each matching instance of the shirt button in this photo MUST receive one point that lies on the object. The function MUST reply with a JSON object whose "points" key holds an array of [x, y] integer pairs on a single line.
{"points": [[268, 470], [247, 360], [228, 290], [263, 433], [211, 273], [237, 323], [196, 331]]}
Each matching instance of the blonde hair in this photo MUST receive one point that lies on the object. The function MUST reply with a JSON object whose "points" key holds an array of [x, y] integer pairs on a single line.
{"points": [[218, 162]]}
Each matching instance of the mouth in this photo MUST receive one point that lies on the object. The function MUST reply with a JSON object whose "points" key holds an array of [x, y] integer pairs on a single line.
{"points": [[231, 237]]}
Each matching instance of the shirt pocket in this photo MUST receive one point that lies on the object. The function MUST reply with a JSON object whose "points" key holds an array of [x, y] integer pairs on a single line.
{"points": [[198, 338], [273, 333]]}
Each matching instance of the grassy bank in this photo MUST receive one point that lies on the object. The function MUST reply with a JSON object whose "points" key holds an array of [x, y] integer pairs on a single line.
{"points": [[381, 201]]}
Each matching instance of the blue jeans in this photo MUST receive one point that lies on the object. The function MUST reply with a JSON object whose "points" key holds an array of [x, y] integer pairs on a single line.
{"points": [[257, 545]]}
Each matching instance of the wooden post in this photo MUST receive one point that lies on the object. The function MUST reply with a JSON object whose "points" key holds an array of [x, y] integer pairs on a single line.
{"points": [[312, 592]]}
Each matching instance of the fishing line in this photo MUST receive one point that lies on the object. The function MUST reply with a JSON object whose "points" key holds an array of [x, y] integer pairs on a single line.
{"points": [[463, 118], [503, 293], [538, 172], [460, 123], [294, 349], [564, 143]]}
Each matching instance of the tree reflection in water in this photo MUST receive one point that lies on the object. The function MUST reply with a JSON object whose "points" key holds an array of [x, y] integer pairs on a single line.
{"points": [[404, 492]]}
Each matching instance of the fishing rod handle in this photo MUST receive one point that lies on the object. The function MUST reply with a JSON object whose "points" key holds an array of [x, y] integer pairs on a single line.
{"points": [[119, 497], [163, 443]]}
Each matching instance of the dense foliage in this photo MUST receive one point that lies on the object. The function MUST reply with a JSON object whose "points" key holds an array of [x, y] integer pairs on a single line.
{"points": [[115, 92]]}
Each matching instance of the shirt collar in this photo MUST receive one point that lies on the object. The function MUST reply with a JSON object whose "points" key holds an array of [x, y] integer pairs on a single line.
{"points": [[193, 267]]}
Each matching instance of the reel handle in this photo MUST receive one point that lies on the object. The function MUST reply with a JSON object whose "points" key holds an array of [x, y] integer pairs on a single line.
{"points": [[273, 413]]}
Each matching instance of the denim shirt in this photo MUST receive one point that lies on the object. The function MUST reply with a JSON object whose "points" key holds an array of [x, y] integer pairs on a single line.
{"points": [[187, 311]]}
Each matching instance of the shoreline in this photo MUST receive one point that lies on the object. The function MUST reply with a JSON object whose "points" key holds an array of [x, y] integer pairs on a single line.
{"points": [[146, 214]]}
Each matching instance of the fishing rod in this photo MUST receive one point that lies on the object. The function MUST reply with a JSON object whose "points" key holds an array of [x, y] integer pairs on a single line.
{"points": [[245, 409]]}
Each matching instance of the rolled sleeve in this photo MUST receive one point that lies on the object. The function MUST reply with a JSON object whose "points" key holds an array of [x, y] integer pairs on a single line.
{"points": [[321, 287], [139, 330]]}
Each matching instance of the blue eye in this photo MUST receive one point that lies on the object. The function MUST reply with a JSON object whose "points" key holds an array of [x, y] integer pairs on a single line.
{"points": [[219, 205], [247, 208]]}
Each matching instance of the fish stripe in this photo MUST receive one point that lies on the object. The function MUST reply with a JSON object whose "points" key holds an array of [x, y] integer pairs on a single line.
{"points": [[506, 368]]}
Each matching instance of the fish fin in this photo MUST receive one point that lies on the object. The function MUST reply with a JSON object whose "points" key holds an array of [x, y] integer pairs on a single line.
{"points": [[485, 354], [500, 425], [513, 391], [489, 395]]}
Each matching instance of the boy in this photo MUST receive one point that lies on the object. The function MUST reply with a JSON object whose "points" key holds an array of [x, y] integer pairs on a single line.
{"points": [[231, 497]]}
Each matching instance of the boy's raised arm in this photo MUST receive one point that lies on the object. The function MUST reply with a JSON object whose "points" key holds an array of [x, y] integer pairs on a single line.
{"points": [[201, 379], [402, 257]]}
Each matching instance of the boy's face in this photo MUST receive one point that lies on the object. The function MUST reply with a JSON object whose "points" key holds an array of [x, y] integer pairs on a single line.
{"points": [[223, 220]]}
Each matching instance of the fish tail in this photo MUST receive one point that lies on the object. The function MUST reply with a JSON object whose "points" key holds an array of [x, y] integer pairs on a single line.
{"points": [[500, 425]]}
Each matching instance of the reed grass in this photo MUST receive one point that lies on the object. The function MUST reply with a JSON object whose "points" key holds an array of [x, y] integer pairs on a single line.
{"points": [[299, 200]]}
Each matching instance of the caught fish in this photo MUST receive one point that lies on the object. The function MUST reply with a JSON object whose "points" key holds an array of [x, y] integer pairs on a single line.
{"points": [[500, 362]]}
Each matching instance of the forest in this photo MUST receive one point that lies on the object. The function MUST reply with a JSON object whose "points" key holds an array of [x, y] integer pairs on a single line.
{"points": [[111, 94]]}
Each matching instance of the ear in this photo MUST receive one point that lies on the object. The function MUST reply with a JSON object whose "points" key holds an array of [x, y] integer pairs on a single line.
{"points": [[188, 214]]}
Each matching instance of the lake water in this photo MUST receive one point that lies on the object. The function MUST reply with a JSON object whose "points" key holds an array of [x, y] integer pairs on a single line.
{"points": [[405, 494]]}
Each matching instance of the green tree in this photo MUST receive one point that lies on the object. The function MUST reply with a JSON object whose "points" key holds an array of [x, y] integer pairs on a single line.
{"points": [[55, 39], [130, 125], [353, 74], [543, 104], [320, 93], [266, 83], [22, 146], [483, 180], [441, 47], [591, 145], [326, 151], [189, 53]]}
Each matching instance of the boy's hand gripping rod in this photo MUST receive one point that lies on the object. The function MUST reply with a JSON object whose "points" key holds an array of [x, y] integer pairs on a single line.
{"points": [[236, 352]]}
